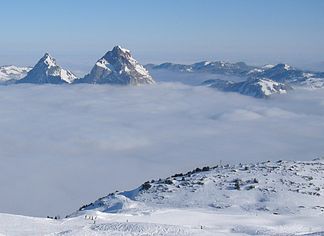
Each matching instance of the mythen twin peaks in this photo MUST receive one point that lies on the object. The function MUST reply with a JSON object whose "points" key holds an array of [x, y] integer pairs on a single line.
{"points": [[115, 67]]}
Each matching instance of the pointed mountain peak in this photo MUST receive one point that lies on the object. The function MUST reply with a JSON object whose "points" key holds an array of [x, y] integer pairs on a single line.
{"points": [[48, 71], [46, 56], [117, 52], [120, 49], [283, 66], [48, 60], [118, 67]]}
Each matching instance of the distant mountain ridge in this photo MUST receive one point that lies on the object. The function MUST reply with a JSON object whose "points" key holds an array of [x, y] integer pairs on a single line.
{"points": [[255, 87], [118, 67], [12, 73], [258, 82], [218, 67], [279, 73]]}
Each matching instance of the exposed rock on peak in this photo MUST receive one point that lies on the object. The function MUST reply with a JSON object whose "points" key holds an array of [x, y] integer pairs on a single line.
{"points": [[48, 71], [118, 67]]}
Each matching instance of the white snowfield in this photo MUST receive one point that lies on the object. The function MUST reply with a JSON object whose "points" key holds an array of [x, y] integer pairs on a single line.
{"points": [[269, 87], [165, 222], [8, 73], [268, 198]]}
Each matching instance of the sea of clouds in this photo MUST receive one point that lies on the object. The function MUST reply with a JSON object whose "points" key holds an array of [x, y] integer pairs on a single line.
{"points": [[64, 146]]}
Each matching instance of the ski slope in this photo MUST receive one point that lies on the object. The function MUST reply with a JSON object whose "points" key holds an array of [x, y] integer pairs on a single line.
{"points": [[167, 222], [266, 198]]}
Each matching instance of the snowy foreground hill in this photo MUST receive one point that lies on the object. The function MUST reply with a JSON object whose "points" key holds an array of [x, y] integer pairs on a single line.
{"points": [[268, 198]]}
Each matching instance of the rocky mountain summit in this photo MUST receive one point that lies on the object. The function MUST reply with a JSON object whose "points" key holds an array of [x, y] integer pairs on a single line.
{"points": [[118, 67], [48, 71]]}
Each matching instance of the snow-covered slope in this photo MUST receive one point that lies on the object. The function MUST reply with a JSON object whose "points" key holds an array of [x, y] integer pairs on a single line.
{"points": [[282, 73], [267, 198], [287, 74], [118, 67], [12, 73], [282, 187], [170, 222], [255, 87], [48, 71]]}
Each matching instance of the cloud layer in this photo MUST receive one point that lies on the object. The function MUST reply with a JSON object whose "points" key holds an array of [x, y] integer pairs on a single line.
{"points": [[63, 146]]}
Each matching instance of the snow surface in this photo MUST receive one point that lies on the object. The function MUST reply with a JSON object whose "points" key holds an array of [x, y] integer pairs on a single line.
{"points": [[178, 205], [313, 83], [170, 222], [280, 188], [8, 73], [268, 87], [258, 88], [124, 50], [268, 66]]}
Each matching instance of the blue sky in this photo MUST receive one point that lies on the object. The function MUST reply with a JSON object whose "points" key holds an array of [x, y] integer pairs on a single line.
{"points": [[77, 32]]}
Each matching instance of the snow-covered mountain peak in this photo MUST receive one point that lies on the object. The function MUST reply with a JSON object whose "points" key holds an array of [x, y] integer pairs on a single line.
{"points": [[48, 60], [118, 52], [119, 55], [119, 49], [269, 87], [48, 71], [282, 66], [118, 67]]}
